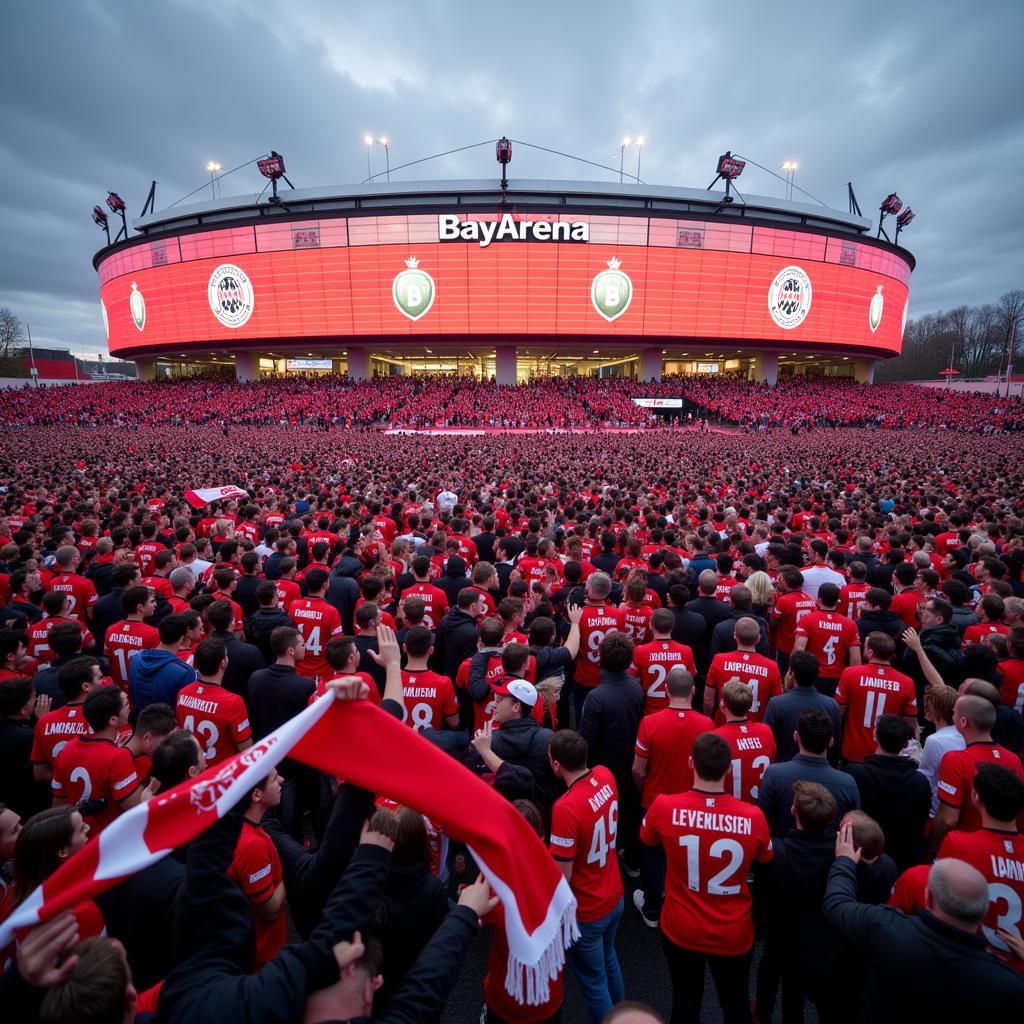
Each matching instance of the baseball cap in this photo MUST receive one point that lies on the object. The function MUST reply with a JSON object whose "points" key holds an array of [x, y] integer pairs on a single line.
{"points": [[520, 689]]}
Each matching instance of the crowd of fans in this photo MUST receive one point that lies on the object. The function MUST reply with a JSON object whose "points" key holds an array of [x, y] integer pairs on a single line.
{"points": [[752, 691], [419, 402]]}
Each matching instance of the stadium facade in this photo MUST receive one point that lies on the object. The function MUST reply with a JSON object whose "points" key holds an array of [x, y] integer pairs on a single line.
{"points": [[552, 277]]}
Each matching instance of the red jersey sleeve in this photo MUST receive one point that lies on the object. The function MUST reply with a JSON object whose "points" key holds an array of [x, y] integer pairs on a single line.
{"points": [[253, 867], [449, 703], [643, 742], [564, 832], [123, 779], [764, 851], [952, 780], [239, 718]]}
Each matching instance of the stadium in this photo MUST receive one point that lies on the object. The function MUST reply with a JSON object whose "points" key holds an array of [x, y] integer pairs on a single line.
{"points": [[539, 278]]}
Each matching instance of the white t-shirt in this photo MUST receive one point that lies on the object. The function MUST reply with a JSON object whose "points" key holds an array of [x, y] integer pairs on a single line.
{"points": [[815, 575]]}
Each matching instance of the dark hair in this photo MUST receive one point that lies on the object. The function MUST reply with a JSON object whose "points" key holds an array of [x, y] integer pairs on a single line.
{"points": [[65, 638], [220, 614], [412, 844], [15, 693], [879, 598], [814, 728], [943, 609], [10, 641], [157, 719], [569, 749], [94, 991], [173, 628], [418, 640], [283, 637], [338, 650], [828, 594], [123, 575], [209, 655], [37, 849], [893, 733], [74, 675], [172, 759], [542, 631], [466, 597], [1000, 791], [101, 705], [53, 602], [815, 806], [882, 645], [712, 756], [804, 667], [316, 580], [266, 593], [616, 652], [134, 598]]}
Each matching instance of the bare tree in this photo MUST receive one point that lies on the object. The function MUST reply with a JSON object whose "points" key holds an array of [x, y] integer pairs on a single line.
{"points": [[12, 335]]}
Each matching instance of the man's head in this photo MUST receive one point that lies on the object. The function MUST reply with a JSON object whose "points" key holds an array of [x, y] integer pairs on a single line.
{"points": [[286, 644], [138, 600], [814, 807], [868, 836], [173, 629], [176, 758], [934, 612], [814, 732], [598, 586], [892, 734], [78, 677], [567, 753], [419, 642], [662, 622], [616, 652], [747, 632], [98, 989], [974, 717], [803, 669], [211, 659], [513, 698], [155, 723], [998, 790], [737, 698], [710, 759], [105, 708], [957, 893], [679, 684], [707, 583], [880, 646], [65, 639], [265, 794]]}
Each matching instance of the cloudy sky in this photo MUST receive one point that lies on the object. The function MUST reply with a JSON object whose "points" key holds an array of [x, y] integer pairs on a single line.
{"points": [[921, 98]]}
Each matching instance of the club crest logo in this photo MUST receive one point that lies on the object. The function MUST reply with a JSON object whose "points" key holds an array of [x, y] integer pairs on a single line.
{"points": [[789, 297], [106, 321], [875, 310], [611, 291], [138, 307], [230, 295], [413, 290]]}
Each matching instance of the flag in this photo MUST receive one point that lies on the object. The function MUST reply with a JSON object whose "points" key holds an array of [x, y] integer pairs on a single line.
{"points": [[381, 754], [204, 495]]}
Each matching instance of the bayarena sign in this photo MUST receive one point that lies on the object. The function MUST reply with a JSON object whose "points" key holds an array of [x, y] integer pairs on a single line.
{"points": [[661, 269]]}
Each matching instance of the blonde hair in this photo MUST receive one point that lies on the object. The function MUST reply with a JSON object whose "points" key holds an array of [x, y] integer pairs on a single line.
{"points": [[760, 586]]}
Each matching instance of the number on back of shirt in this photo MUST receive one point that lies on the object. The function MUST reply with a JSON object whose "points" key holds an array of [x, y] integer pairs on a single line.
{"points": [[603, 838], [727, 881]]}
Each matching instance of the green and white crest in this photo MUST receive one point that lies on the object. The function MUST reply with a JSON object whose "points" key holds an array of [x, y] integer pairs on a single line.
{"points": [[413, 290], [875, 310], [611, 291], [138, 306]]}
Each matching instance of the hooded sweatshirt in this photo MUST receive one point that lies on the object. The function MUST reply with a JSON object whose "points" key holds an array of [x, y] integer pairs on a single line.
{"points": [[155, 677]]}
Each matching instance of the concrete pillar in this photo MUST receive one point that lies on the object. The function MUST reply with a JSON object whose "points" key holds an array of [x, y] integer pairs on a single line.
{"points": [[864, 371], [247, 366], [766, 367], [358, 363], [146, 369], [505, 364], [650, 363]]}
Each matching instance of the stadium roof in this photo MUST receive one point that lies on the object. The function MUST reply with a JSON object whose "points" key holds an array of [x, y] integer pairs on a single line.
{"points": [[535, 195]]}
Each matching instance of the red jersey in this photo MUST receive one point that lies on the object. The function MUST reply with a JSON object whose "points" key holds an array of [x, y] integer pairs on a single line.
{"points": [[81, 592], [39, 634], [124, 640], [725, 585], [868, 692], [753, 749], [789, 609], [1012, 687], [666, 739], [956, 775], [216, 717], [317, 621], [434, 599], [851, 597], [287, 593], [145, 555], [94, 768], [584, 822], [761, 674], [976, 633], [534, 568], [159, 585], [710, 841], [908, 892], [904, 604], [597, 622], [653, 662], [373, 696], [256, 870], [429, 699], [238, 616], [999, 856], [635, 621], [55, 730], [829, 637]]}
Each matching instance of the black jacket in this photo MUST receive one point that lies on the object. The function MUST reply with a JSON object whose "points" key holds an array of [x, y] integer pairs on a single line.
{"points": [[711, 610], [881, 621], [918, 967], [215, 940], [101, 575], [19, 788], [942, 645], [453, 580], [245, 593], [523, 742], [261, 624], [723, 639], [105, 612], [899, 798], [243, 660], [276, 694], [456, 637], [342, 595], [691, 629], [611, 717]]}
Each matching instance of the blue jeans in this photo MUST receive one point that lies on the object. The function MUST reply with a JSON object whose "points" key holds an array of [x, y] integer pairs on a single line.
{"points": [[593, 961]]}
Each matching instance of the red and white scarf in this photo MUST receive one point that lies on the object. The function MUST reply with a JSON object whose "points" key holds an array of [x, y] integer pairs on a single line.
{"points": [[357, 741], [202, 496]]}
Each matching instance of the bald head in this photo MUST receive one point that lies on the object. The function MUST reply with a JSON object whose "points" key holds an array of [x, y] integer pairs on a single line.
{"points": [[957, 892], [707, 582], [631, 1013], [67, 556], [974, 714], [746, 631]]}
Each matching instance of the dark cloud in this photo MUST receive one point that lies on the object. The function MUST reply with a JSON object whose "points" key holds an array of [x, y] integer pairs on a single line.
{"points": [[924, 100]]}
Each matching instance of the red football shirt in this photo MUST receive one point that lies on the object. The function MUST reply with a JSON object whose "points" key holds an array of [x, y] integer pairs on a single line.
{"points": [[597, 622], [54, 730], [287, 593], [215, 716], [256, 869], [584, 822], [868, 692], [761, 674], [710, 841], [80, 590], [829, 637], [94, 768], [904, 604], [786, 615], [851, 597], [39, 634], [145, 555], [124, 640], [1012, 687], [653, 662], [317, 621], [635, 622], [976, 633], [999, 856], [753, 749], [429, 699], [956, 775], [666, 739], [434, 599]]}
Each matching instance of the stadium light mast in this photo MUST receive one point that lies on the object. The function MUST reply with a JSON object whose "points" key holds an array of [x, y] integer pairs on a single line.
{"points": [[272, 167], [891, 205], [214, 168], [368, 139], [117, 205], [100, 219], [790, 167], [905, 217], [729, 169], [503, 154], [626, 143]]}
